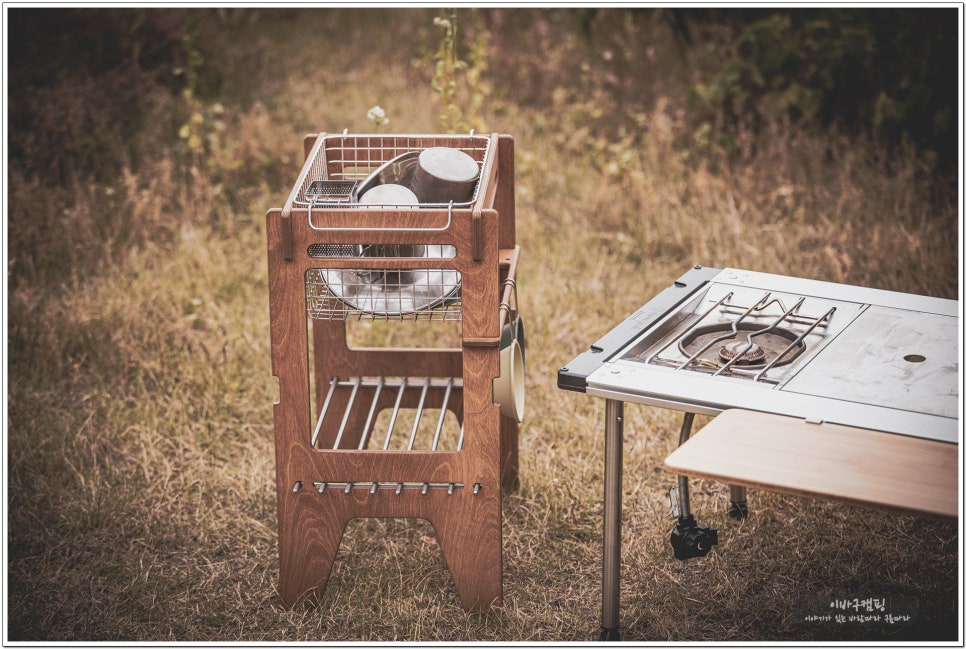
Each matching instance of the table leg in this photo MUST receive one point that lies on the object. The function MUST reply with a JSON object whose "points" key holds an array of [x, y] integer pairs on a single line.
{"points": [[613, 451]]}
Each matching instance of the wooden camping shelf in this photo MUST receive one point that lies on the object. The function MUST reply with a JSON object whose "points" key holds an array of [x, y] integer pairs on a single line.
{"points": [[330, 466]]}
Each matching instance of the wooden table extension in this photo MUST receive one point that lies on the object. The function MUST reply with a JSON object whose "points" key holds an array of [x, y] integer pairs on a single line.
{"points": [[827, 461]]}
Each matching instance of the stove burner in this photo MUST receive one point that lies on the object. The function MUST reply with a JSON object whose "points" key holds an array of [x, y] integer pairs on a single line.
{"points": [[746, 355], [716, 345]]}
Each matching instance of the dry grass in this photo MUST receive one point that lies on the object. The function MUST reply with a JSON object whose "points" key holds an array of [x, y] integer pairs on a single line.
{"points": [[140, 480]]}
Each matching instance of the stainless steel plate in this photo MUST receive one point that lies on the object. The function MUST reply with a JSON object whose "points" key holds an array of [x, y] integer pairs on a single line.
{"points": [[394, 291], [398, 171]]}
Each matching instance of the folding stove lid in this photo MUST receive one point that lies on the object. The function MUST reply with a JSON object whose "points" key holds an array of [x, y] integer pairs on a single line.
{"points": [[842, 354]]}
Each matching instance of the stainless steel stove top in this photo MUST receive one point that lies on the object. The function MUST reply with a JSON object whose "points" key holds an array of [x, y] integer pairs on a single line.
{"points": [[816, 350]]}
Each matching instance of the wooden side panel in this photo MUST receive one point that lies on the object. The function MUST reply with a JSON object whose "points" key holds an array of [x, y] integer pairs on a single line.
{"points": [[505, 199]]}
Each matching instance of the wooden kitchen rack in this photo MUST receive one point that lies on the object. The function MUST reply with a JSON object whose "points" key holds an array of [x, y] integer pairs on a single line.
{"points": [[333, 464]]}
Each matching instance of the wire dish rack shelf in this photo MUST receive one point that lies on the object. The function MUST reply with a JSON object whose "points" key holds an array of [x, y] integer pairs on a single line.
{"points": [[425, 294], [336, 167]]}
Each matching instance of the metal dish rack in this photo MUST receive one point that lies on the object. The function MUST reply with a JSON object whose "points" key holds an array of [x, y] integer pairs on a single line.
{"points": [[446, 452], [390, 294]]}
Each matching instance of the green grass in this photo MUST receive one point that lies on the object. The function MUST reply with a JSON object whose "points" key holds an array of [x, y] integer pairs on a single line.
{"points": [[140, 453]]}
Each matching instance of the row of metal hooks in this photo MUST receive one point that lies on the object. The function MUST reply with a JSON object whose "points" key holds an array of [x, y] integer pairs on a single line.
{"points": [[397, 487]]}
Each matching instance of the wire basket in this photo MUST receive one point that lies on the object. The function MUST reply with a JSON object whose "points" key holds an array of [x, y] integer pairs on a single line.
{"points": [[340, 162], [328, 192], [390, 294]]}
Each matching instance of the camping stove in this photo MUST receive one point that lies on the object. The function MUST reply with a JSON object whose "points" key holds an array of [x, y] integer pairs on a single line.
{"points": [[803, 348], [723, 339]]}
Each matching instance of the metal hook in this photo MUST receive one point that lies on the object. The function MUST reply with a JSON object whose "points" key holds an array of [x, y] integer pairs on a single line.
{"points": [[297, 486], [512, 283], [513, 330]]}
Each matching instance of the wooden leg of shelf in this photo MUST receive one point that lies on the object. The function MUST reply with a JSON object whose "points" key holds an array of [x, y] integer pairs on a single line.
{"points": [[470, 537], [308, 538], [509, 453], [472, 544]]}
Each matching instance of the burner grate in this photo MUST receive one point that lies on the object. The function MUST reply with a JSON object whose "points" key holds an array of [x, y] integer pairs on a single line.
{"points": [[735, 340]]}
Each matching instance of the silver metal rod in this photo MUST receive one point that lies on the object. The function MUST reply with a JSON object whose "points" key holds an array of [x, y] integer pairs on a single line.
{"points": [[801, 337], [690, 327], [442, 414], [613, 449], [419, 414], [439, 206], [348, 409], [395, 383], [459, 444], [796, 319], [774, 300], [395, 412], [325, 408], [367, 430]]}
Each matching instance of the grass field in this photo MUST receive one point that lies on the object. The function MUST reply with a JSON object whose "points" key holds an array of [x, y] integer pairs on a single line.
{"points": [[139, 475]]}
